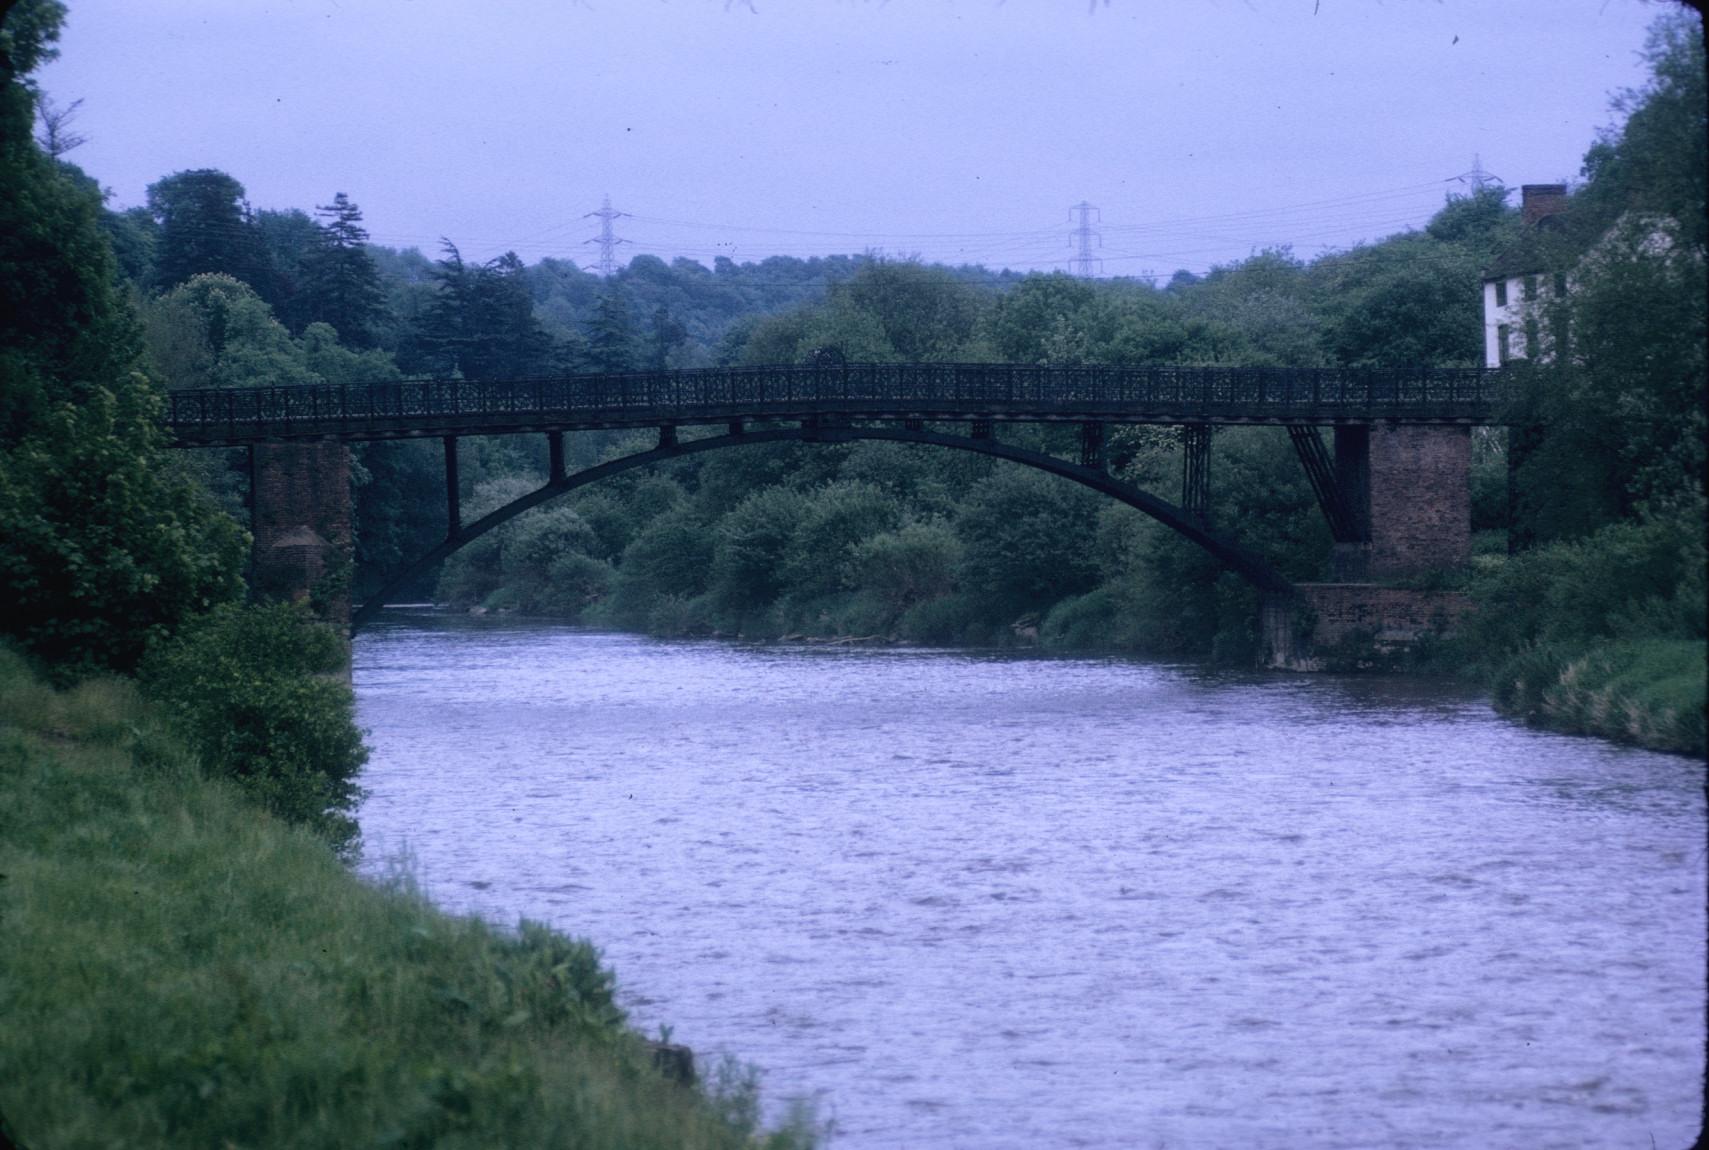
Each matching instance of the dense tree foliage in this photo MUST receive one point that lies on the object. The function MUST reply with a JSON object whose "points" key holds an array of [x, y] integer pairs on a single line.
{"points": [[104, 545], [205, 226]]}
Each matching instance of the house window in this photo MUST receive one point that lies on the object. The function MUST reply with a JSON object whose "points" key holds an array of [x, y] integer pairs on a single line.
{"points": [[1530, 288], [1531, 338], [1560, 283], [1504, 342], [1500, 293]]}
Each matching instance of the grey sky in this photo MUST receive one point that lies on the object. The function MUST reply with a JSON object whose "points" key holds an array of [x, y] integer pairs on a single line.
{"points": [[958, 129]]}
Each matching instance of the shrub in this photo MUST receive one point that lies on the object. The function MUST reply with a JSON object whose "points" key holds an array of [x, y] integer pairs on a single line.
{"points": [[1085, 621], [949, 620], [260, 695], [752, 542], [575, 583], [910, 565], [820, 557], [1628, 580]]}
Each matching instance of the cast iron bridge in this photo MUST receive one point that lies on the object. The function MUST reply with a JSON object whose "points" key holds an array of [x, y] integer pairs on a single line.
{"points": [[829, 401], [890, 392]]}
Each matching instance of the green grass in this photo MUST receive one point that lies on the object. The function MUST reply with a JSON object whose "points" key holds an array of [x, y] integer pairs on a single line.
{"points": [[178, 968], [1649, 692]]}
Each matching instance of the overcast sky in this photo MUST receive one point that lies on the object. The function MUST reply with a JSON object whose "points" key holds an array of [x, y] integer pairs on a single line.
{"points": [[961, 130]]}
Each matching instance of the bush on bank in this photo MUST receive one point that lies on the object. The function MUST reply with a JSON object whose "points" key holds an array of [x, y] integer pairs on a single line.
{"points": [[182, 969], [1602, 635], [259, 694]]}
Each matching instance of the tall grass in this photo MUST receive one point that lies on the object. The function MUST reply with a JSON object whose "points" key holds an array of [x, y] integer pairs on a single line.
{"points": [[1644, 691], [179, 968]]}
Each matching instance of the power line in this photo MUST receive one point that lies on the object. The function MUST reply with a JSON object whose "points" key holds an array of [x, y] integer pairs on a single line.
{"points": [[606, 240]]}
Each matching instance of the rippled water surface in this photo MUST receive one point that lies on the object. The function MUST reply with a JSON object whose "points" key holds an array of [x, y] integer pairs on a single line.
{"points": [[969, 900]]}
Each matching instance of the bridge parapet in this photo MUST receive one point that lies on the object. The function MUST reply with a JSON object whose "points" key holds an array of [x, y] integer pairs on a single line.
{"points": [[1022, 392]]}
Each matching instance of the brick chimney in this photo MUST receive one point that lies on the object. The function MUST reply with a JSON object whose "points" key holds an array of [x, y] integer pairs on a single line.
{"points": [[1539, 201]]}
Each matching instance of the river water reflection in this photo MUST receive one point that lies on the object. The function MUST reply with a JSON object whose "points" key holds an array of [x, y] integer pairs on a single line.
{"points": [[993, 901]]}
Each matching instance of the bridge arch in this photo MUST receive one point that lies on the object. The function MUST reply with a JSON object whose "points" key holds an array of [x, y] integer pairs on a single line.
{"points": [[1249, 566]]}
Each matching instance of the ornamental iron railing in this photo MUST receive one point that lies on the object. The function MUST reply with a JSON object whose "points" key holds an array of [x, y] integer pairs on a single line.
{"points": [[915, 391]]}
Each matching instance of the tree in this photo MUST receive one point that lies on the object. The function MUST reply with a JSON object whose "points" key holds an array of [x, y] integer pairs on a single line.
{"points": [[104, 545], [667, 336], [509, 342], [672, 555], [1043, 320], [1621, 413], [821, 554], [1408, 302], [343, 284], [752, 543], [28, 32], [480, 321], [132, 233], [287, 240], [57, 136], [205, 226], [611, 335], [1026, 536], [924, 313], [214, 331], [1257, 312], [911, 565], [1480, 219], [1656, 160], [440, 339]]}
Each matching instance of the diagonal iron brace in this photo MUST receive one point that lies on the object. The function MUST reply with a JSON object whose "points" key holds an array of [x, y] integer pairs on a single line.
{"points": [[1344, 523]]}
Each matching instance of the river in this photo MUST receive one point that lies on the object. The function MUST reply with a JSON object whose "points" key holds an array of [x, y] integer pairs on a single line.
{"points": [[1000, 900]]}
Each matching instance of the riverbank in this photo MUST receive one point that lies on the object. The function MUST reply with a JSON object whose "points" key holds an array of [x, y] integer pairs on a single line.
{"points": [[1646, 692], [184, 970]]}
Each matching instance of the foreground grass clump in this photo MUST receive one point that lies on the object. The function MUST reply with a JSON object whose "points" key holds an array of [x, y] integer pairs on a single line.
{"points": [[179, 968], [1644, 691]]}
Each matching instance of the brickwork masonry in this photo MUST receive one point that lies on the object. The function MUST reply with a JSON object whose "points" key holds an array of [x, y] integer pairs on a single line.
{"points": [[1332, 625], [1420, 499]]}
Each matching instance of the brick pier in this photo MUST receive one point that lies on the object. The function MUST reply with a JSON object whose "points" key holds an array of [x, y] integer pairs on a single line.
{"points": [[300, 517], [1409, 489]]}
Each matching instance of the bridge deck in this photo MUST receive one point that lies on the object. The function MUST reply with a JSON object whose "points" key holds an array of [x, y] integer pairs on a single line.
{"points": [[1021, 392]]}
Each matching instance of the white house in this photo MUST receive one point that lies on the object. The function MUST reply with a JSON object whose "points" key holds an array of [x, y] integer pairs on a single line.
{"points": [[1517, 285]]}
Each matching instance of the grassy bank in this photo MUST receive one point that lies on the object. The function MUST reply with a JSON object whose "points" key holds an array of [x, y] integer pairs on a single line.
{"points": [[178, 968], [1644, 691]]}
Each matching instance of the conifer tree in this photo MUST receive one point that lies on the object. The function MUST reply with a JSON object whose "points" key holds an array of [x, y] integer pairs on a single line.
{"points": [[343, 283]]}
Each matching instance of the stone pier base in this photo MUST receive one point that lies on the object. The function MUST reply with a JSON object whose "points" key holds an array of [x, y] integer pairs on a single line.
{"points": [[1335, 626], [300, 516]]}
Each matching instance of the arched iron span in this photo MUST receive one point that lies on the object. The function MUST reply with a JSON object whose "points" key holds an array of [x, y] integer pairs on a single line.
{"points": [[1251, 567]]}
